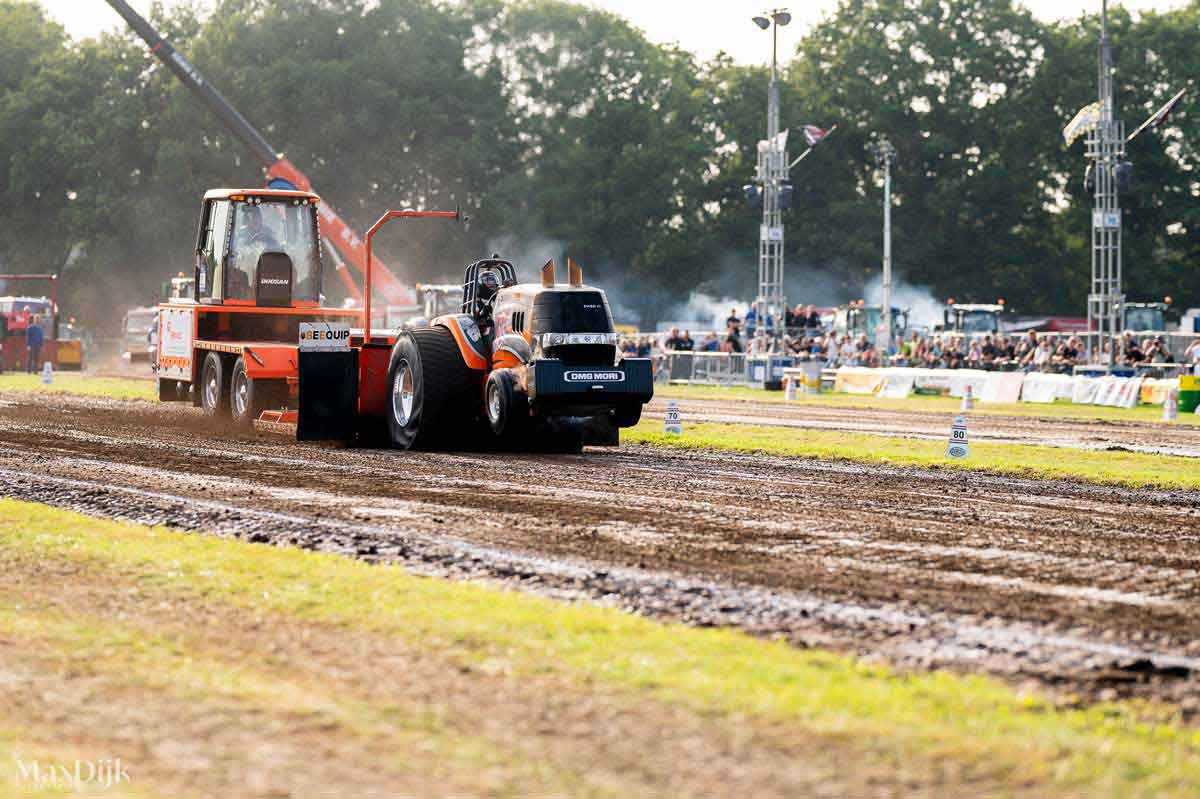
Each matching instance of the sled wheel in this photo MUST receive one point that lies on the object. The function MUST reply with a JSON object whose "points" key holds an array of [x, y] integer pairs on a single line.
{"points": [[248, 398], [214, 395]]}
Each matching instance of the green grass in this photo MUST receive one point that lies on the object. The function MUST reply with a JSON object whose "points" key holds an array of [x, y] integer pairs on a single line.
{"points": [[970, 722], [83, 385], [1117, 468], [1058, 410]]}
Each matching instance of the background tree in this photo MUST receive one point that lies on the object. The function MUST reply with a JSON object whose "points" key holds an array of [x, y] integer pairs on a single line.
{"points": [[562, 129]]}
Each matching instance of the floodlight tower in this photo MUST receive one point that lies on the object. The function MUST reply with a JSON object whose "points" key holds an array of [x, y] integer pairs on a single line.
{"points": [[1106, 148], [772, 172], [885, 157]]}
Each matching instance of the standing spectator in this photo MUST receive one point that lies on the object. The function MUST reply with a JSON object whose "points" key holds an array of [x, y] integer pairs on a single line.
{"points": [[813, 321], [906, 354], [1067, 354], [1025, 348], [710, 343], [1133, 353], [1192, 354], [1157, 352], [989, 351], [975, 355], [1040, 358], [1007, 349], [847, 352], [686, 344], [733, 324], [933, 355], [644, 348], [34, 338], [674, 340], [954, 352]]}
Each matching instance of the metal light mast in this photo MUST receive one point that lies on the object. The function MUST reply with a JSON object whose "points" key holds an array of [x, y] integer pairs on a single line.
{"points": [[1106, 147], [772, 172], [885, 155]]}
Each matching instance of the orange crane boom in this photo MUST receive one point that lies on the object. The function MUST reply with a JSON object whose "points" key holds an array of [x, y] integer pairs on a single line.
{"points": [[282, 173]]}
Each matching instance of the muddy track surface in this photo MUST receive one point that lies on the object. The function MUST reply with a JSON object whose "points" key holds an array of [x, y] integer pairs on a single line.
{"points": [[1091, 589], [1160, 439]]}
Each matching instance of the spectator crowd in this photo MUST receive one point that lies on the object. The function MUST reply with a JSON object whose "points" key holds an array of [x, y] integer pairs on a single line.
{"points": [[808, 339]]}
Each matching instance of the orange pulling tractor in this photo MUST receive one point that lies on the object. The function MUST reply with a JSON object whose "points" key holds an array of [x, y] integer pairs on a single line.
{"points": [[519, 365]]}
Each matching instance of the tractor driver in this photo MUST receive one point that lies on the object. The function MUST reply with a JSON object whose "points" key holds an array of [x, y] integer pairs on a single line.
{"points": [[253, 238]]}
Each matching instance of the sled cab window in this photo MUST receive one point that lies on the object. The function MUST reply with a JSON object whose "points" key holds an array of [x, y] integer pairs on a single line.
{"points": [[287, 225], [210, 252]]}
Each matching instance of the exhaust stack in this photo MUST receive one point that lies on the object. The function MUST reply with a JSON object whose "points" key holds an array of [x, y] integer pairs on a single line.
{"points": [[548, 274], [574, 272]]}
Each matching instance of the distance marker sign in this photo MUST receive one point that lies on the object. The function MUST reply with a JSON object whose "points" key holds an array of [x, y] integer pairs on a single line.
{"points": [[957, 447], [672, 424]]}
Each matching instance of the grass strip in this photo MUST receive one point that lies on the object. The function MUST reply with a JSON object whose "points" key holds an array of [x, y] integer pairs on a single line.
{"points": [[82, 385], [167, 664], [967, 723], [1135, 469], [1061, 409]]}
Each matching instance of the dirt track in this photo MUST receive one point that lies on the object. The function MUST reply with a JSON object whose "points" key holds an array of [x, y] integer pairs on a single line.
{"points": [[1090, 434], [1093, 588]]}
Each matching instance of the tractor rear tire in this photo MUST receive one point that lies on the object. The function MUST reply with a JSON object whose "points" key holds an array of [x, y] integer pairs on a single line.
{"points": [[433, 397], [214, 388], [248, 398]]}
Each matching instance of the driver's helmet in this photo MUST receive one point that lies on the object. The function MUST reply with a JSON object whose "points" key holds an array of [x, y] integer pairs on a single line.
{"points": [[489, 284]]}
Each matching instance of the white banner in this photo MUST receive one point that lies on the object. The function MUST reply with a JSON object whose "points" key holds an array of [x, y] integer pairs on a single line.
{"points": [[960, 378], [1085, 390], [1002, 387], [1045, 388], [897, 383]]}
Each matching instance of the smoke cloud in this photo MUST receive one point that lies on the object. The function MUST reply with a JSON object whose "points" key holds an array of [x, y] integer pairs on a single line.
{"points": [[923, 309]]}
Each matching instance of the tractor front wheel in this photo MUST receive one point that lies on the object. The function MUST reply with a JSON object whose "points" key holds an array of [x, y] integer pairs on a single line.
{"points": [[507, 406], [433, 397], [627, 415]]}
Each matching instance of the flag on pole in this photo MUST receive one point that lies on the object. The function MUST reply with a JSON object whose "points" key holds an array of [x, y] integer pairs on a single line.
{"points": [[813, 135], [779, 143], [1160, 116], [1087, 119]]}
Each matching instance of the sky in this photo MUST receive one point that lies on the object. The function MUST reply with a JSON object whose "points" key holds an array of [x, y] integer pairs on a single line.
{"points": [[703, 26]]}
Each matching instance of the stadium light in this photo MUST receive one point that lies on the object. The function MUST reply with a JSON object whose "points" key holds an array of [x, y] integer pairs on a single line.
{"points": [[762, 22]]}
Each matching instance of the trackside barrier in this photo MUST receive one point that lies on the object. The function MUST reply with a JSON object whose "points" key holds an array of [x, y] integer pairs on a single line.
{"points": [[1006, 387], [719, 368], [705, 368]]}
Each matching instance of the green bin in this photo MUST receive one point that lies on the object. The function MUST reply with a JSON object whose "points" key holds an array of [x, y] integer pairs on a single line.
{"points": [[1189, 393]]}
